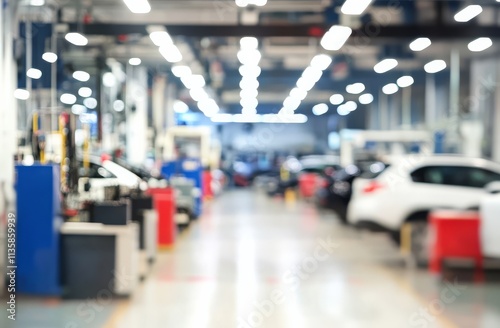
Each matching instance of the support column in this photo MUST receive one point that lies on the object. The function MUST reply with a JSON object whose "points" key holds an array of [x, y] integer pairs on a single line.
{"points": [[406, 108], [383, 109], [137, 115], [495, 151], [430, 100]]}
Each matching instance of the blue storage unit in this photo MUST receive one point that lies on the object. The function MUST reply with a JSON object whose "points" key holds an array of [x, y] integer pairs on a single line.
{"points": [[38, 224], [190, 169]]}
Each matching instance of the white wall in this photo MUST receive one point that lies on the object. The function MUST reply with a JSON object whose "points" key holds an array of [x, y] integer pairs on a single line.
{"points": [[269, 137]]}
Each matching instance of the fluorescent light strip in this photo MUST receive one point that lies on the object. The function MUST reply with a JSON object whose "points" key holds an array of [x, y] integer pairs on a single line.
{"points": [[480, 44], [49, 57], [257, 118], [336, 99], [21, 94], [320, 109], [366, 99], [34, 73], [405, 81], [420, 44], [435, 66], [355, 7], [390, 88], [385, 65], [77, 39], [355, 88], [468, 13], [138, 6], [336, 37], [245, 3], [311, 75]]}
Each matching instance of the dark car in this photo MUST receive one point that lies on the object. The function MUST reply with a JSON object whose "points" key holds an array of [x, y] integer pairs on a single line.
{"points": [[337, 190]]}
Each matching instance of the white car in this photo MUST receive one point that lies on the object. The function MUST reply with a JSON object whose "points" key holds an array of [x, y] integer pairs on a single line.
{"points": [[103, 174], [413, 185]]}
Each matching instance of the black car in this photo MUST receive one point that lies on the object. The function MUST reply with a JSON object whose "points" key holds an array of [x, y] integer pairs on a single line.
{"points": [[337, 192]]}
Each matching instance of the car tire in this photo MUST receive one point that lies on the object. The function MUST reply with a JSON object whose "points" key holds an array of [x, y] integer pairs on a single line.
{"points": [[419, 238]]}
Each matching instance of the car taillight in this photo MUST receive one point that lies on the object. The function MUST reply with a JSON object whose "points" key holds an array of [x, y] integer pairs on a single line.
{"points": [[372, 187]]}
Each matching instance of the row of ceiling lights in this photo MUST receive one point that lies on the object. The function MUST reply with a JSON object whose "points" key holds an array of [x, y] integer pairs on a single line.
{"points": [[249, 57], [337, 36], [260, 118], [195, 83]]}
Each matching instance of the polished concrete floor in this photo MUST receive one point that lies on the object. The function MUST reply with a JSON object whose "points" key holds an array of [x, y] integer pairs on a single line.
{"points": [[252, 261]]}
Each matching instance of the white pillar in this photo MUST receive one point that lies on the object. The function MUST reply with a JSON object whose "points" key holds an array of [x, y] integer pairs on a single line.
{"points": [[8, 119], [430, 100], [137, 115]]}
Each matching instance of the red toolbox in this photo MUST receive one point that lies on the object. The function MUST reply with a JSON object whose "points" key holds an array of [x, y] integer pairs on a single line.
{"points": [[164, 203], [455, 234]]}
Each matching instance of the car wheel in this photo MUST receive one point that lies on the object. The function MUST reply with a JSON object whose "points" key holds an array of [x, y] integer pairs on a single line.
{"points": [[414, 238]]}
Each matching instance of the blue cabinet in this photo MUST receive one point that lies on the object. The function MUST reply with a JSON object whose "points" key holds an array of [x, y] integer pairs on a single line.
{"points": [[38, 225]]}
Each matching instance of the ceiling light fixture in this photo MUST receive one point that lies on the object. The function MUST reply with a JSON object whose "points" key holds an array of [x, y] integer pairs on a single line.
{"points": [[355, 7], [385, 65], [193, 81], [245, 3], [336, 37], [49, 57], [420, 44], [118, 105], [366, 99], [21, 94], [198, 94], [160, 38], [249, 93], [342, 110], [355, 88], [81, 76], [78, 109], [249, 83], [34, 73], [90, 103], [468, 13], [249, 57], [351, 106], [135, 61], [299, 94], [109, 80], [480, 44], [320, 109], [138, 6], [291, 104], [250, 71], [435, 66], [249, 43], [68, 98], [171, 53], [181, 71], [405, 81], [37, 3], [336, 99], [321, 62], [77, 39], [249, 102], [390, 88], [180, 107], [85, 92]]}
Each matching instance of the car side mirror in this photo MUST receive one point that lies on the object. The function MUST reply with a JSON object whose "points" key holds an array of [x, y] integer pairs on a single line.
{"points": [[493, 187]]}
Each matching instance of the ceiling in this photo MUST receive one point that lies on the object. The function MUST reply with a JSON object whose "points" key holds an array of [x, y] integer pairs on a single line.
{"points": [[289, 32]]}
